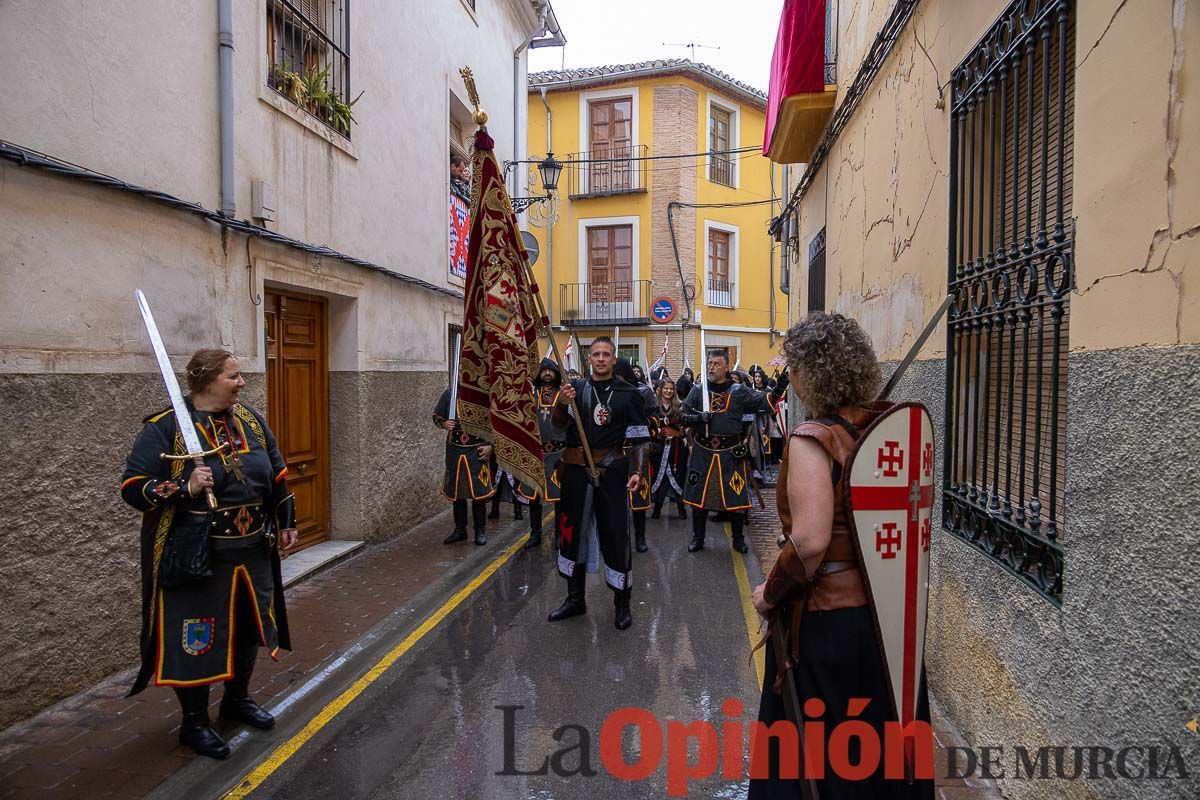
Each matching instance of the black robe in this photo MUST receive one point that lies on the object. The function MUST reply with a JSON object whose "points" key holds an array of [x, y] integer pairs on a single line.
{"points": [[157, 488]]}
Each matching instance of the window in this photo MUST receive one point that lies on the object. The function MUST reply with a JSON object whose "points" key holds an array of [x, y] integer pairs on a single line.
{"points": [[1010, 272], [610, 143], [720, 162], [816, 273], [308, 47], [721, 265], [610, 263]]}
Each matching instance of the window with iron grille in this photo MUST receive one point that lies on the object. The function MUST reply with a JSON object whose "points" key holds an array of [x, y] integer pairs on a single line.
{"points": [[816, 273], [1011, 273], [719, 291], [308, 52], [720, 138]]}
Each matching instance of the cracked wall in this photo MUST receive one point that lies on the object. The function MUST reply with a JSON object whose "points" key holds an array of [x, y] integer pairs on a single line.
{"points": [[883, 192], [1115, 665]]}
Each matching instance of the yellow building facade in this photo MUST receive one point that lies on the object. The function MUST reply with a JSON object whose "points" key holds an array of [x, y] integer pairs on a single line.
{"points": [[659, 224]]}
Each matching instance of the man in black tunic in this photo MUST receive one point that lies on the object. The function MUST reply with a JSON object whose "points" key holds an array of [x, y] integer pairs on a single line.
{"points": [[468, 476], [546, 390], [595, 515], [716, 473]]}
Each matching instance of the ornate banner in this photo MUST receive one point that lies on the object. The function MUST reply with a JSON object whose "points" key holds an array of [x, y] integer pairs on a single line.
{"points": [[499, 351]]}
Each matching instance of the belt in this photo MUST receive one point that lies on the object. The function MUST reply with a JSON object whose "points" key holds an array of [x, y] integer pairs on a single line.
{"points": [[830, 567], [548, 448], [671, 433], [575, 455], [232, 522], [718, 442]]}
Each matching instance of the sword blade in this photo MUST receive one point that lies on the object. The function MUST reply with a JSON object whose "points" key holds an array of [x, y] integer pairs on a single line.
{"points": [[454, 366], [703, 358], [183, 417], [911, 356]]}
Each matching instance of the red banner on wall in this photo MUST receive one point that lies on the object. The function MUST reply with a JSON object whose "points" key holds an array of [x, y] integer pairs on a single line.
{"points": [[798, 64]]}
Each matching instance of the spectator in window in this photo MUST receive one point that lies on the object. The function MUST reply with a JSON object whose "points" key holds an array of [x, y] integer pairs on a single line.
{"points": [[460, 178]]}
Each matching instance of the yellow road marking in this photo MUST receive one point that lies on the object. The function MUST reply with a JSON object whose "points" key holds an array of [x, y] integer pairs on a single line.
{"points": [[753, 620], [289, 748]]}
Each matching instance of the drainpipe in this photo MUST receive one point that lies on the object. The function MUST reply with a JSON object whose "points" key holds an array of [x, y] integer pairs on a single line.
{"points": [[549, 227], [225, 93], [517, 94], [771, 266]]}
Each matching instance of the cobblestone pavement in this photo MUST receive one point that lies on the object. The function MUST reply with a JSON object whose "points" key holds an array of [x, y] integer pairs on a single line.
{"points": [[101, 744]]}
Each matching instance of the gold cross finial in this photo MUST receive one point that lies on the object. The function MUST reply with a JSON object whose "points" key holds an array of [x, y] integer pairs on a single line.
{"points": [[479, 117]]}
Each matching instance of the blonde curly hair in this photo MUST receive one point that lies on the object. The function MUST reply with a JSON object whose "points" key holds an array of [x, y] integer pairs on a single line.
{"points": [[833, 363]]}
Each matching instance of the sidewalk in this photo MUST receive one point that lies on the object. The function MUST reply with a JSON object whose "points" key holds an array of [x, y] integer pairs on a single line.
{"points": [[762, 534], [100, 744]]}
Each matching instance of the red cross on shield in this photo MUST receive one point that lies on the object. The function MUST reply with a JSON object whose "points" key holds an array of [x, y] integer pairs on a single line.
{"points": [[891, 512]]}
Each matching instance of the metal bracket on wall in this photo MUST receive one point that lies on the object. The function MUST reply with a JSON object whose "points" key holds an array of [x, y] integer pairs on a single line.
{"points": [[251, 283]]}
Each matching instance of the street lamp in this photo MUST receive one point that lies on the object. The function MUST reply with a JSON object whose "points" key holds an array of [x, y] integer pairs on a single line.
{"points": [[550, 168]]}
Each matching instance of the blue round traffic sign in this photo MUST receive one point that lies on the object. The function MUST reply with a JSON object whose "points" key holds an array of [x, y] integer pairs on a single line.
{"points": [[662, 309]]}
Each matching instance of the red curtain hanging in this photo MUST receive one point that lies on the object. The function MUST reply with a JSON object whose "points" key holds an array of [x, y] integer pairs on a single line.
{"points": [[798, 64]]}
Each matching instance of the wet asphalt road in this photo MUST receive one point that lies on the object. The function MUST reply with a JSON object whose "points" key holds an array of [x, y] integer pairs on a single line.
{"points": [[429, 727]]}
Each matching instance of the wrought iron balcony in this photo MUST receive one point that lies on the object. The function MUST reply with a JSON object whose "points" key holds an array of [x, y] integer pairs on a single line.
{"points": [[719, 293], [604, 304], [607, 171]]}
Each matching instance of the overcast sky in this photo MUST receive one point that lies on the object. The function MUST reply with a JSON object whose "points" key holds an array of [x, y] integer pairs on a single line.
{"points": [[626, 31]]}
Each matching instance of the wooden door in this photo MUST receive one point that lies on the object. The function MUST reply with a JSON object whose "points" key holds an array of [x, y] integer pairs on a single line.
{"points": [[298, 404]]}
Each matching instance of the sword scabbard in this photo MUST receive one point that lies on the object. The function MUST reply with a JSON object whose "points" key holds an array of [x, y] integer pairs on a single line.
{"points": [[197, 457]]}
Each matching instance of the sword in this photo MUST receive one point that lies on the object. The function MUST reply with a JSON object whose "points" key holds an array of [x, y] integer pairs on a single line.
{"points": [[183, 417], [911, 356], [454, 363]]}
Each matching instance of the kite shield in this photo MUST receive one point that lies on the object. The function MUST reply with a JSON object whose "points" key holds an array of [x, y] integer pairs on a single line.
{"points": [[890, 495]]}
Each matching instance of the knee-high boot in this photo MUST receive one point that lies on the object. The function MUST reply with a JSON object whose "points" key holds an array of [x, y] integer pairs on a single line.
{"points": [[639, 531], [535, 525], [236, 704], [576, 603], [699, 522], [196, 730], [622, 616], [459, 534], [737, 525], [479, 517]]}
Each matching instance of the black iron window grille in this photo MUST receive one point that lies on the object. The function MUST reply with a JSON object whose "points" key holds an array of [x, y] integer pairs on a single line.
{"points": [[816, 273], [1011, 273], [308, 51]]}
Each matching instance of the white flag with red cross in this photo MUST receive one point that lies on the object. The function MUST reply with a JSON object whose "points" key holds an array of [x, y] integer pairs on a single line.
{"points": [[890, 494]]}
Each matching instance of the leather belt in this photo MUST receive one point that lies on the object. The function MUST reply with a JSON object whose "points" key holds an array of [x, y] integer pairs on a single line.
{"points": [[830, 567], [235, 522], [671, 433], [574, 455], [717, 442]]}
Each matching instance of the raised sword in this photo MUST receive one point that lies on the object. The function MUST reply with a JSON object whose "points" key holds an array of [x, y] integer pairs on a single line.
{"points": [[183, 417]]}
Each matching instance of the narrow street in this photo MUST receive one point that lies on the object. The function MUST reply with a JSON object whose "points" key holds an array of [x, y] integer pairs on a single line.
{"points": [[429, 726]]}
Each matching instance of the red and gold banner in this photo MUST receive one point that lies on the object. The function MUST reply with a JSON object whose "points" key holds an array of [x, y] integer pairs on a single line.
{"points": [[499, 345]]}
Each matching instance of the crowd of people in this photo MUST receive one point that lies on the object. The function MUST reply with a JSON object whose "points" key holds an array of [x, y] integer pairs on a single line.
{"points": [[618, 444]]}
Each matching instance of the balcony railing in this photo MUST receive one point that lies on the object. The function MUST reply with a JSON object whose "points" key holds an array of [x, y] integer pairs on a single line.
{"points": [[720, 169], [605, 171], [719, 293], [604, 304]]}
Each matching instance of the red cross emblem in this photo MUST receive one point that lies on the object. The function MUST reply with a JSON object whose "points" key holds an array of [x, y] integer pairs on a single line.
{"points": [[891, 459], [887, 540], [891, 499]]}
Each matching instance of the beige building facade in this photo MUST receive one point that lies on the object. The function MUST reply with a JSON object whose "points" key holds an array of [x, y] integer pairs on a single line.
{"points": [[320, 259], [1034, 160]]}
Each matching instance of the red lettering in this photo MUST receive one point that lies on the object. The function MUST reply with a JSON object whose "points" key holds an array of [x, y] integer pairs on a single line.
{"points": [[679, 770], [788, 740], [911, 743], [732, 740], [612, 751]]}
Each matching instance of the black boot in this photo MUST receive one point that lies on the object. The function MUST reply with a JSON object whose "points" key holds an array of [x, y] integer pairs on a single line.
{"points": [[682, 511], [535, 526], [575, 604], [699, 521], [518, 511], [236, 704], [657, 513], [622, 617], [495, 512], [736, 526], [639, 531], [477, 517], [196, 730], [460, 523]]}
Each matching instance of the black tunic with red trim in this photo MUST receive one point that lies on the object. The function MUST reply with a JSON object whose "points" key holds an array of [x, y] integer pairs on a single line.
{"points": [[467, 476], [188, 630], [716, 472]]}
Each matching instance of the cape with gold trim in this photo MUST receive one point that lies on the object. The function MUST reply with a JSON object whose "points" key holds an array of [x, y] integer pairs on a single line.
{"points": [[499, 344]]}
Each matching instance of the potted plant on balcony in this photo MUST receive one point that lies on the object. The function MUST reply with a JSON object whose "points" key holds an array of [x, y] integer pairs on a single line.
{"points": [[288, 83]]}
